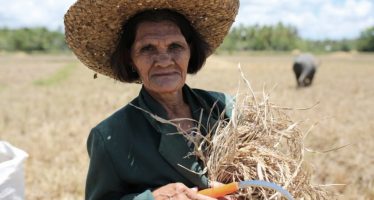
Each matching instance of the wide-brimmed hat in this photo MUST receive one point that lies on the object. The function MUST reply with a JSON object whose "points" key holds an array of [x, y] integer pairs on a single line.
{"points": [[93, 27]]}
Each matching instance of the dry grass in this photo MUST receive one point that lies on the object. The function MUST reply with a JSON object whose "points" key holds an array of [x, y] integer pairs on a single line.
{"points": [[259, 142], [51, 121]]}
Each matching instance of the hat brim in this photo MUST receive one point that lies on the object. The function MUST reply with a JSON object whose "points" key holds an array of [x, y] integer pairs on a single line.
{"points": [[93, 27]]}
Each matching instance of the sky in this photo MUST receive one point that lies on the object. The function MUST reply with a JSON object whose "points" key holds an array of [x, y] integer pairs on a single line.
{"points": [[314, 19]]}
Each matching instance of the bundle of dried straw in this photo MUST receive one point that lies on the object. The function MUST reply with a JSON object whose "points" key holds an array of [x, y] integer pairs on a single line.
{"points": [[259, 142]]}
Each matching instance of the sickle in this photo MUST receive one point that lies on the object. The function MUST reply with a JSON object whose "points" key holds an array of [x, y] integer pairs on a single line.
{"points": [[230, 188]]}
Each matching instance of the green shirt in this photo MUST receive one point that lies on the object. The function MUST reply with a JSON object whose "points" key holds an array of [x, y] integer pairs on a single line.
{"points": [[131, 153]]}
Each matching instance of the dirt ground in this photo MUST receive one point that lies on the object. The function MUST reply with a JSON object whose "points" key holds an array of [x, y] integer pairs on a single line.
{"points": [[48, 104]]}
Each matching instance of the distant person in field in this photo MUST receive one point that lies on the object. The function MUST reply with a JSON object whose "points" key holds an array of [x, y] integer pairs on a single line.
{"points": [[304, 67], [156, 44]]}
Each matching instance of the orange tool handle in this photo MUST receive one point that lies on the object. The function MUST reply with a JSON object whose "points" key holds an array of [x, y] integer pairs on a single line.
{"points": [[220, 191]]}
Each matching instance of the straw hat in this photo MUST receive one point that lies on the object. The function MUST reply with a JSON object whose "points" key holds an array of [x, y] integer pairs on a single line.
{"points": [[93, 27]]}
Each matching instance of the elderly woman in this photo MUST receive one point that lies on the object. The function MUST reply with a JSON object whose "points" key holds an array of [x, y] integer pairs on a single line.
{"points": [[155, 43]]}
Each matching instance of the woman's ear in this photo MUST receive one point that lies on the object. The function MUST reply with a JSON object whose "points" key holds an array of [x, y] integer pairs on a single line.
{"points": [[132, 65], [133, 69]]}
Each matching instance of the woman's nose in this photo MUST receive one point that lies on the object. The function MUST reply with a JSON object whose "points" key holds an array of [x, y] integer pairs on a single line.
{"points": [[163, 60]]}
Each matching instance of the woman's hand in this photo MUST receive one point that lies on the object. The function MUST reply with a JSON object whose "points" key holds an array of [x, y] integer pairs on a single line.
{"points": [[178, 191]]}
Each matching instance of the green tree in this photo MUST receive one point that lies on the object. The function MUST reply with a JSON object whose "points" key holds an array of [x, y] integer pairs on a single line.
{"points": [[366, 40]]}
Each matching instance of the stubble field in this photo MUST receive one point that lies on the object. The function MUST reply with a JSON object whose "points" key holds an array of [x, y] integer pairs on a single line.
{"points": [[48, 104]]}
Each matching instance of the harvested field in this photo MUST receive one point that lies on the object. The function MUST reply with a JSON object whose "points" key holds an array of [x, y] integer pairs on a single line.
{"points": [[48, 103]]}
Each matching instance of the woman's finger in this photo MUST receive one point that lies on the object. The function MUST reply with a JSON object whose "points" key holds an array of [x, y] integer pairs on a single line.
{"points": [[214, 184], [192, 194]]}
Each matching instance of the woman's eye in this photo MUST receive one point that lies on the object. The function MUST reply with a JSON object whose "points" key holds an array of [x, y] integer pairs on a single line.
{"points": [[147, 48], [175, 46]]}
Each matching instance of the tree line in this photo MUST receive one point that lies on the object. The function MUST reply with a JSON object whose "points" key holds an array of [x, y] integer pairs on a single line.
{"points": [[30, 40], [286, 38], [242, 38]]}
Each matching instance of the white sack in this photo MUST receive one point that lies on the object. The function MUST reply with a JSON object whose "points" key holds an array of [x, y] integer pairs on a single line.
{"points": [[11, 172]]}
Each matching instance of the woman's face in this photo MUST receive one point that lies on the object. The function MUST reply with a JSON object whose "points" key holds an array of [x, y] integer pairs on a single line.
{"points": [[160, 54]]}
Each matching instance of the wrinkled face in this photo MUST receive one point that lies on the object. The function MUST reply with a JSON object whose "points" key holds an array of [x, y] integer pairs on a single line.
{"points": [[160, 55]]}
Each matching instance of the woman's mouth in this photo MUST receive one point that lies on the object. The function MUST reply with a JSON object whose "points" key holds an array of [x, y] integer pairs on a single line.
{"points": [[164, 74]]}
